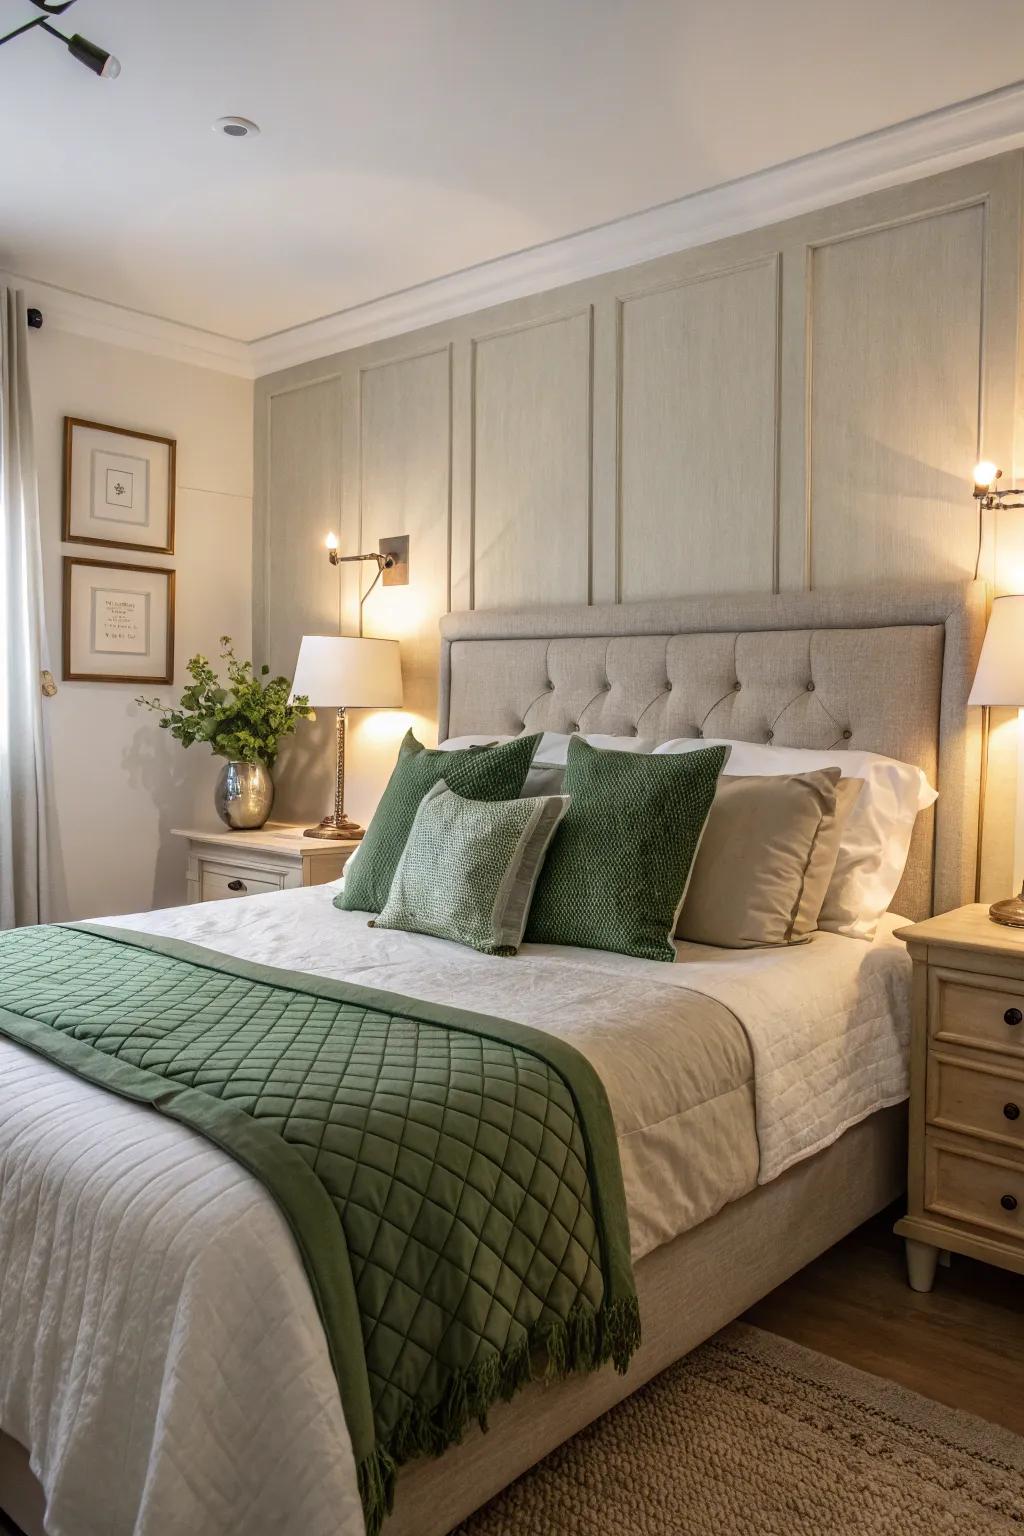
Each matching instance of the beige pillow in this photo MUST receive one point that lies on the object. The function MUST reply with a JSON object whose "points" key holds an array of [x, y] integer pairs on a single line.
{"points": [[767, 855]]}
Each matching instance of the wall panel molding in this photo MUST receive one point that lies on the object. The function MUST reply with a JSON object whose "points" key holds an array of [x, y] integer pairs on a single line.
{"points": [[719, 457], [531, 448], [895, 367]]}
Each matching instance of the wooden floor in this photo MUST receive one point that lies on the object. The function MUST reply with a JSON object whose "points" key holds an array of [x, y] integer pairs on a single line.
{"points": [[962, 1344]]}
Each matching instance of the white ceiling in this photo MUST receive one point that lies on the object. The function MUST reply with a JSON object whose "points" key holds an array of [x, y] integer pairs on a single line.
{"points": [[406, 139]]}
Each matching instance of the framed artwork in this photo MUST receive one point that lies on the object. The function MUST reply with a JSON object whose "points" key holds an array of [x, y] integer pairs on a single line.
{"points": [[118, 487], [118, 623]]}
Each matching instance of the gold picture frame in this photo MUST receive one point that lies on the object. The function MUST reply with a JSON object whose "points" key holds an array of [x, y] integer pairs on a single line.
{"points": [[118, 487], [106, 625]]}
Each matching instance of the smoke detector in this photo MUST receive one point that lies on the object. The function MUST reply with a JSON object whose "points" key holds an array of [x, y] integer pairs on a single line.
{"points": [[236, 127]]}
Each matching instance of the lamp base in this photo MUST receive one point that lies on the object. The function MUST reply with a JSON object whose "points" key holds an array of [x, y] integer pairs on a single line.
{"points": [[349, 831], [1009, 912]]}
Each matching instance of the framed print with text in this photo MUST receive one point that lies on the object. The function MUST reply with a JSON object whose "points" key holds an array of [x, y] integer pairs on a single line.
{"points": [[118, 623], [118, 487]]}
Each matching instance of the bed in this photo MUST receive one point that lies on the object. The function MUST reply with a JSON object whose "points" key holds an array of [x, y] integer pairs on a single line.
{"points": [[161, 1276]]}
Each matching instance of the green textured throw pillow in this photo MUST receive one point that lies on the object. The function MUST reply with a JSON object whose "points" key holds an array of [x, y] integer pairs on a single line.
{"points": [[470, 867], [494, 773], [619, 866]]}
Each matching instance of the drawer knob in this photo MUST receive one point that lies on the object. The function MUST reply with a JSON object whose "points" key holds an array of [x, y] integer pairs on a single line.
{"points": [[236, 885], [1009, 1202], [1011, 1111], [1013, 1016]]}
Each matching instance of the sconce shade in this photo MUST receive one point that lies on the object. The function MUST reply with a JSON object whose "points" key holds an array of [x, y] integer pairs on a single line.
{"points": [[1000, 675], [342, 672]]}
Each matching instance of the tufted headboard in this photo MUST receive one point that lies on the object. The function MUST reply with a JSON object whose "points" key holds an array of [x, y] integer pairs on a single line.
{"points": [[884, 669]]}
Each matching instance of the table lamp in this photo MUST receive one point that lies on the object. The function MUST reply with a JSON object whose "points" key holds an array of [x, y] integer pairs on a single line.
{"points": [[999, 680], [341, 672]]}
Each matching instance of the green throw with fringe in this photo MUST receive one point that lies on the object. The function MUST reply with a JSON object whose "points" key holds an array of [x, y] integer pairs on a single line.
{"points": [[452, 1181]]}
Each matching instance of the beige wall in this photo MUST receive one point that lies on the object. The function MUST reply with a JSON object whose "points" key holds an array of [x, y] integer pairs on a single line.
{"points": [[121, 783], [796, 407]]}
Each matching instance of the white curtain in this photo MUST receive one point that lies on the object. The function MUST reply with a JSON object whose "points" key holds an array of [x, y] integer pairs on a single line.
{"points": [[25, 890]]}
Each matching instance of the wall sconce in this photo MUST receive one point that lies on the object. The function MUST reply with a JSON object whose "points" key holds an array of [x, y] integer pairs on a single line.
{"points": [[392, 557], [988, 497], [985, 476]]}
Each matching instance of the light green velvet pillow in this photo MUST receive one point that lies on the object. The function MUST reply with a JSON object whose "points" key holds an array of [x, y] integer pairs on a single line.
{"points": [[493, 773], [470, 867], [618, 868]]}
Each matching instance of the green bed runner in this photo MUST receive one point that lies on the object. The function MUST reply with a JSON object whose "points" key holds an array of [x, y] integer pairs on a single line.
{"points": [[452, 1181]]}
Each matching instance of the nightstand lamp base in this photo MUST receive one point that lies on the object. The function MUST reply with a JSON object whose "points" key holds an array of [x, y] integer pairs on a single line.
{"points": [[351, 831], [1009, 912]]}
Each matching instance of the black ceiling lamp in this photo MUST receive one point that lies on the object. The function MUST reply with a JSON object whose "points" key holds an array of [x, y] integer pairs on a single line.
{"points": [[93, 57]]}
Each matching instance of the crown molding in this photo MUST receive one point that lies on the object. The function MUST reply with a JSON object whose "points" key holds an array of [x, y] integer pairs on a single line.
{"points": [[80, 315], [922, 146], [969, 130]]}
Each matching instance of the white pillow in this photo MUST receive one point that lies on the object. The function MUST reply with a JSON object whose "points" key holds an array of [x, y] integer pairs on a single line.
{"points": [[875, 839], [545, 773]]}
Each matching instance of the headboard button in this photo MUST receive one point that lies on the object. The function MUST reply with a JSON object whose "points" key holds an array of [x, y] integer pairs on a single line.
{"points": [[668, 687], [550, 686], [607, 686], [847, 735], [699, 731], [810, 687], [737, 685], [574, 725], [769, 736]]}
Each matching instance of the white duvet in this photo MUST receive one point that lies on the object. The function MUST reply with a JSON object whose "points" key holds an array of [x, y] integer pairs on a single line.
{"points": [[159, 1348]]}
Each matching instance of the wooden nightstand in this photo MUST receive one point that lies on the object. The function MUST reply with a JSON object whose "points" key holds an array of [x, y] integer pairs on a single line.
{"points": [[966, 1174], [224, 864]]}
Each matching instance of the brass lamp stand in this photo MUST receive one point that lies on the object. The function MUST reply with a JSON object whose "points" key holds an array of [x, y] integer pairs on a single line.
{"points": [[338, 824]]}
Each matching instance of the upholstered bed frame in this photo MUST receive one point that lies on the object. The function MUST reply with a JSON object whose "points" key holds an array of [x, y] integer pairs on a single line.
{"points": [[885, 670]]}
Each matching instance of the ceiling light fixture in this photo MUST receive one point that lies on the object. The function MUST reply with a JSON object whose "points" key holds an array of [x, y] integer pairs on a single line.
{"points": [[236, 127], [90, 54]]}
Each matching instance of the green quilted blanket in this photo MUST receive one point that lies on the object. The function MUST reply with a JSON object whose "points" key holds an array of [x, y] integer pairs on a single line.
{"points": [[452, 1181]]}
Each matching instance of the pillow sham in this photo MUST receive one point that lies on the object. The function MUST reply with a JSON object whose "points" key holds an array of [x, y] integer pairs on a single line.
{"points": [[617, 871], [470, 867], [765, 860], [875, 838], [495, 774]]}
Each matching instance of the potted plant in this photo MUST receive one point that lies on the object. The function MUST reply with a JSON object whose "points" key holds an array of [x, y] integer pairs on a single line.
{"points": [[243, 720]]}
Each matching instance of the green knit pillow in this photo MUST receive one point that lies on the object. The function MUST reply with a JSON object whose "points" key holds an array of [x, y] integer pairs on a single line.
{"points": [[494, 773], [619, 865], [470, 867]]}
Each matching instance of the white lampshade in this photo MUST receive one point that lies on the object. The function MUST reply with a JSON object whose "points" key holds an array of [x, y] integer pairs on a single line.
{"points": [[342, 672], [1000, 675]]}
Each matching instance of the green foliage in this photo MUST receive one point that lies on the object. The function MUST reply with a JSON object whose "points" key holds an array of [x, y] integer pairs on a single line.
{"points": [[243, 721]]}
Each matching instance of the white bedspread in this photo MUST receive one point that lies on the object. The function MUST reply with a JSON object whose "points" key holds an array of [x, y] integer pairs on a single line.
{"points": [[157, 1335]]}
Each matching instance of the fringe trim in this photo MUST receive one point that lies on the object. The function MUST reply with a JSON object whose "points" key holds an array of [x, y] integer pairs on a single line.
{"points": [[549, 1351]]}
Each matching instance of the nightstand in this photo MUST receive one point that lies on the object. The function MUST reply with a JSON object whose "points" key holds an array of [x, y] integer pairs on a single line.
{"points": [[224, 864], [966, 1170]]}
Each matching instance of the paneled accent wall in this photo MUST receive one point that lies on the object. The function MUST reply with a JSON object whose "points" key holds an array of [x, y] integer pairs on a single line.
{"points": [[799, 406]]}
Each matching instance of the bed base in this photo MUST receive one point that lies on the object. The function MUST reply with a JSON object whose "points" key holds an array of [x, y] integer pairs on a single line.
{"points": [[688, 1289]]}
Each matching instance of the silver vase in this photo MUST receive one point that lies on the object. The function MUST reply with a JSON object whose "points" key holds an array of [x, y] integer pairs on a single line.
{"points": [[244, 795]]}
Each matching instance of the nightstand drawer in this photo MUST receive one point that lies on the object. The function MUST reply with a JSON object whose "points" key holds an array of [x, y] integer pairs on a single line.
{"points": [[976, 1098], [984, 1190], [987, 1017], [218, 883]]}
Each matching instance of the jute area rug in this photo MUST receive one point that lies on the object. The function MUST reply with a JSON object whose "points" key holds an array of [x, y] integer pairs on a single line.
{"points": [[754, 1436]]}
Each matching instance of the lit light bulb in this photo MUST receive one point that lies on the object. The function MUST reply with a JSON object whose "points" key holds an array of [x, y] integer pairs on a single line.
{"points": [[986, 473], [331, 541]]}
